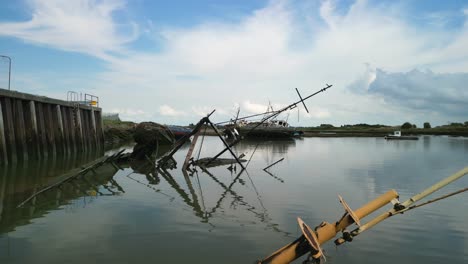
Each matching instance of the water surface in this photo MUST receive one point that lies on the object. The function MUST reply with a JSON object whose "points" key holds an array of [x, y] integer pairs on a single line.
{"points": [[126, 214]]}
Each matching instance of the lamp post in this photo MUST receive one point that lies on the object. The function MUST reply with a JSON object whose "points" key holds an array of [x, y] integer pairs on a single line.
{"points": [[9, 69]]}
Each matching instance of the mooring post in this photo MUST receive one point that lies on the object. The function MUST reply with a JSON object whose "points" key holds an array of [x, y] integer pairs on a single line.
{"points": [[3, 147]]}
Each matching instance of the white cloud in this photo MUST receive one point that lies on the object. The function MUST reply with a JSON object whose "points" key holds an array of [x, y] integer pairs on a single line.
{"points": [[424, 90], [131, 114], [259, 58], [166, 110], [254, 108], [85, 26]]}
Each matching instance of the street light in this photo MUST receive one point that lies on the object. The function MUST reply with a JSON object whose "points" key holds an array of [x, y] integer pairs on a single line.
{"points": [[9, 69]]}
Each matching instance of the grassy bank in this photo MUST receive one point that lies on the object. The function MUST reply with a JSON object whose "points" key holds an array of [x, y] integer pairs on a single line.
{"points": [[118, 132], [382, 131]]}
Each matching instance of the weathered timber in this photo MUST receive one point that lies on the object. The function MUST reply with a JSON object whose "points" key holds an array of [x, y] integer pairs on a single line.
{"points": [[37, 127]]}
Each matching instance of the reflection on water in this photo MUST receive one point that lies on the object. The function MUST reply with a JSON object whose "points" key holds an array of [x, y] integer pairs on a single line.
{"points": [[136, 213]]}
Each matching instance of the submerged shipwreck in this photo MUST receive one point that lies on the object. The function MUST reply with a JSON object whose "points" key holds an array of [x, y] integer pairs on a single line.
{"points": [[270, 129], [153, 156]]}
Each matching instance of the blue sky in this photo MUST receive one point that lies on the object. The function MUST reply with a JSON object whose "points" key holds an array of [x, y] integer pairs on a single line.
{"points": [[174, 61]]}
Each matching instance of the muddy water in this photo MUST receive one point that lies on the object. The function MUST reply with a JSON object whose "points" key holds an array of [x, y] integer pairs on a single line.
{"points": [[129, 214]]}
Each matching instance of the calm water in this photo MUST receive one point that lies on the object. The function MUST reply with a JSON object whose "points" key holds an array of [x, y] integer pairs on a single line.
{"points": [[125, 216]]}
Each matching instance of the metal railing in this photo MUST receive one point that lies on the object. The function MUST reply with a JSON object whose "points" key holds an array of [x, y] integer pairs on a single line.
{"points": [[84, 99]]}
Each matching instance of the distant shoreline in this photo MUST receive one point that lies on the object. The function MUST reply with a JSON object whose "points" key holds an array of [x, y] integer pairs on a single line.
{"points": [[119, 132]]}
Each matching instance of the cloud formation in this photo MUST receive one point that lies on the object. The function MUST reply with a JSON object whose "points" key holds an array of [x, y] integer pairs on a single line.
{"points": [[446, 93], [262, 56], [85, 26], [166, 110]]}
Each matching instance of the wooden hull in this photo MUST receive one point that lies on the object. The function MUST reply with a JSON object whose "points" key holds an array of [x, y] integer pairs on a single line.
{"points": [[271, 132]]}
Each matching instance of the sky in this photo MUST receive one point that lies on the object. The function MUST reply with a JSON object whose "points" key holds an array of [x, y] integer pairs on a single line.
{"points": [[173, 62]]}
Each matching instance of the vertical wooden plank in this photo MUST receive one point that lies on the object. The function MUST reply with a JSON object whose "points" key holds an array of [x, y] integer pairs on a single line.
{"points": [[66, 128], [84, 124], [34, 128], [99, 129], [3, 146], [72, 125], [94, 128], [3, 184], [20, 129], [87, 128], [49, 124], [59, 126], [10, 131], [79, 129], [42, 132]]}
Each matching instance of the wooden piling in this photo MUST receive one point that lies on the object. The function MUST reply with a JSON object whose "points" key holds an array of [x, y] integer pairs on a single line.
{"points": [[79, 129], [34, 129], [42, 133], [72, 131], [3, 146], [20, 129], [59, 126], [93, 127], [9, 130], [50, 130], [66, 129]]}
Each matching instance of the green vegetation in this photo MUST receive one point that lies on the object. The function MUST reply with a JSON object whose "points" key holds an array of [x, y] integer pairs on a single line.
{"points": [[117, 132], [378, 130], [407, 125]]}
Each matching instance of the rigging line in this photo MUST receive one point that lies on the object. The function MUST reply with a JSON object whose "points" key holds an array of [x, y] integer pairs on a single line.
{"points": [[252, 155], [151, 187], [433, 200], [256, 191], [201, 192], [201, 144]]}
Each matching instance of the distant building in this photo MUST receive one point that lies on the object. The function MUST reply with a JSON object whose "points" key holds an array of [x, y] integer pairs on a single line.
{"points": [[110, 116]]}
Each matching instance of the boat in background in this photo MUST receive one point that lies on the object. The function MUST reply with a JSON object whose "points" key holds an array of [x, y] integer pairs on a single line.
{"points": [[269, 129], [397, 136], [179, 131]]}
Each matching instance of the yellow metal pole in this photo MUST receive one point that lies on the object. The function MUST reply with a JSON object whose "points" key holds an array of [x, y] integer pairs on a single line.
{"points": [[411, 201], [326, 231]]}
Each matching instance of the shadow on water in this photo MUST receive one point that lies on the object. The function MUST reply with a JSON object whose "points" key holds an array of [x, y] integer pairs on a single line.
{"points": [[20, 181], [22, 199], [187, 184], [149, 214]]}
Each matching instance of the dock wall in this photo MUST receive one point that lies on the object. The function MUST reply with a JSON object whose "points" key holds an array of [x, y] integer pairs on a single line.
{"points": [[36, 127]]}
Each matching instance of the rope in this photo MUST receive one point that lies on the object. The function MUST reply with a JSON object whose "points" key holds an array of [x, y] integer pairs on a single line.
{"points": [[434, 200], [252, 154], [201, 144]]}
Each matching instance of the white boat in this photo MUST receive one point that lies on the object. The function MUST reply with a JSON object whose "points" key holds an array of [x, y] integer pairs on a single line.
{"points": [[397, 136]]}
